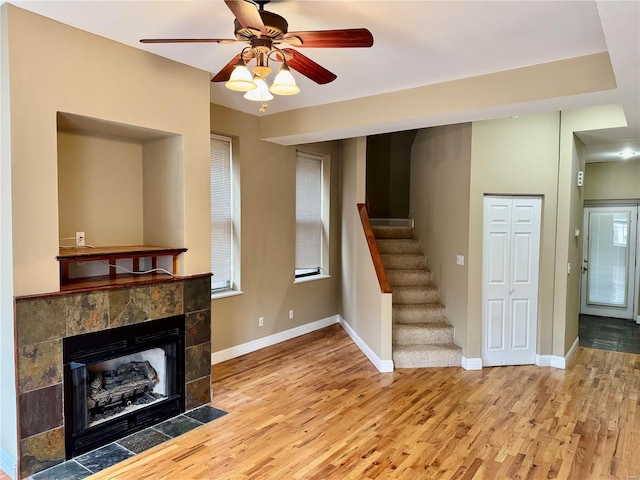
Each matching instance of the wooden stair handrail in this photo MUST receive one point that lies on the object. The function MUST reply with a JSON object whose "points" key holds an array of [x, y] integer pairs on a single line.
{"points": [[373, 249]]}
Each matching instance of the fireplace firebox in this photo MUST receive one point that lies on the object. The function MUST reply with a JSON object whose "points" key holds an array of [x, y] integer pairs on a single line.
{"points": [[122, 380]]}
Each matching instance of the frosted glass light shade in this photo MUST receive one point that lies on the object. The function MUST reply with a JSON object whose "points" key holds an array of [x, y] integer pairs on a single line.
{"points": [[241, 79], [261, 93], [284, 83]]}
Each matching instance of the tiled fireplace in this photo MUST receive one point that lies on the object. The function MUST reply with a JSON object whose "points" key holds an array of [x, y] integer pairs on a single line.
{"points": [[45, 322], [121, 380]]}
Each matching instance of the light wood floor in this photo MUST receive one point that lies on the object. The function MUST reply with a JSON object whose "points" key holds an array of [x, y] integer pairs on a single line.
{"points": [[315, 408]]}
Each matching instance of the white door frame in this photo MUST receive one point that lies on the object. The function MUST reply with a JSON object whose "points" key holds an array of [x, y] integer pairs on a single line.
{"points": [[510, 279]]}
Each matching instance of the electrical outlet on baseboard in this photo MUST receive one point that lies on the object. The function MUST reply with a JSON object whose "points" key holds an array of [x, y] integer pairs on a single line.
{"points": [[261, 321]]}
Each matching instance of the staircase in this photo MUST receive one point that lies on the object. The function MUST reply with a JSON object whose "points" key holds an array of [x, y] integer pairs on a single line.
{"points": [[421, 335]]}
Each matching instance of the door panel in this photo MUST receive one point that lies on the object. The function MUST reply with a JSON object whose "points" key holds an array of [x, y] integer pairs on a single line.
{"points": [[520, 314], [497, 260], [522, 258], [511, 249], [496, 325], [609, 251]]}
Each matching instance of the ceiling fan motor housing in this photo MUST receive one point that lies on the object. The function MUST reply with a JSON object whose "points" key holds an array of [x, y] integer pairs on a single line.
{"points": [[275, 25]]}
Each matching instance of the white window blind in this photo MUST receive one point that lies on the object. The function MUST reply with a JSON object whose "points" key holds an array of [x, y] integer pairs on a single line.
{"points": [[308, 214], [221, 221]]}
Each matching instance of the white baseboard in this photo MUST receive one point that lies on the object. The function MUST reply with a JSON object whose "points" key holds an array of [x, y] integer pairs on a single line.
{"points": [[8, 464], [557, 361], [243, 349], [383, 366], [471, 363]]}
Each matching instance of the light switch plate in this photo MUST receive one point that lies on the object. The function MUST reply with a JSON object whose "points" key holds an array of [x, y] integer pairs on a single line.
{"points": [[460, 259]]}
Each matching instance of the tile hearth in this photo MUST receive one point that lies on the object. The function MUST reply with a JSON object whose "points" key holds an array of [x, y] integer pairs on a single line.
{"points": [[113, 453]]}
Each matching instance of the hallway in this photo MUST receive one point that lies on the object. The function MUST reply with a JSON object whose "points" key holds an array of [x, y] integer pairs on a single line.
{"points": [[608, 333]]}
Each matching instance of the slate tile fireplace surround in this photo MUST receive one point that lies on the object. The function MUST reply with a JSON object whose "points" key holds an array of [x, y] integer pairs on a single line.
{"points": [[43, 321]]}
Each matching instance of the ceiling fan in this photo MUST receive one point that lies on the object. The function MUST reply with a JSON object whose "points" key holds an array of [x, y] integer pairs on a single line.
{"points": [[265, 32]]}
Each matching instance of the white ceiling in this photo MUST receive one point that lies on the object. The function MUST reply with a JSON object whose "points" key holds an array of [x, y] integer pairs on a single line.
{"points": [[428, 41]]}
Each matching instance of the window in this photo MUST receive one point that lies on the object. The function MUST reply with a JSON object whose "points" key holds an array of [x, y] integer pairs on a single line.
{"points": [[222, 225], [312, 207]]}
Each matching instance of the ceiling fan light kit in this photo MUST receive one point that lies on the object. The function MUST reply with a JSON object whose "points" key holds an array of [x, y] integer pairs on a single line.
{"points": [[255, 86], [241, 79], [264, 31], [260, 94], [284, 83]]}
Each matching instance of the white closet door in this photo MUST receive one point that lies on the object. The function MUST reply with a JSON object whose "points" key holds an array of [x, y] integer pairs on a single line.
{"points": [[510, 263]]}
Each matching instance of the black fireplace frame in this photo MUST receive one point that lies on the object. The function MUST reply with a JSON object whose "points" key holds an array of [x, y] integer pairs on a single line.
{"points": [[96, 347]]}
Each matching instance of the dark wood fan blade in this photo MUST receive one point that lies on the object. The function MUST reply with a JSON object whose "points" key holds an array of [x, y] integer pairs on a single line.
{"points": [[345, 38], [190, 40], [224, 74], [308, 67], [247, 14]]}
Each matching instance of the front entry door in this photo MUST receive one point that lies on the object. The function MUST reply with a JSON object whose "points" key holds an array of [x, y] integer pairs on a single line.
{"points": [[510, 263], [608, 261]]}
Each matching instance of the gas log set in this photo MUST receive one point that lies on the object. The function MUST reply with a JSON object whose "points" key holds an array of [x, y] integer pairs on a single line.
{"points": [[112, 391]]}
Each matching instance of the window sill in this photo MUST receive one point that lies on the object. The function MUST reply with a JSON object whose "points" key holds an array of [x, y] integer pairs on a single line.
{"points": [[311, 278], [225, 293]]}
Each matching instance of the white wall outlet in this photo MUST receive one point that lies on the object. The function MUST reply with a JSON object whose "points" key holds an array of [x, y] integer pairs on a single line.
{"points": [[79, 239], [290, 314], [261, 321], [460, 259]]}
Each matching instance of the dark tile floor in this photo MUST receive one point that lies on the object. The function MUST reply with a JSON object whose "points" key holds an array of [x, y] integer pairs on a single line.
{"points": [[608, 333], [101, 458]]}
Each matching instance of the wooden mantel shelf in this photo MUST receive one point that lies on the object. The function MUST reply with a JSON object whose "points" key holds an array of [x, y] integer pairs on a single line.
{"points": [[88, 254], [135, 252]]}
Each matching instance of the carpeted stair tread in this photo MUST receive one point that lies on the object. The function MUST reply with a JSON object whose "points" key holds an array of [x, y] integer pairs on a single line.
{"points": [[388, 231], [398, 245], [427, 355], [422, 333], [415, 294], [403, 261], [419, 313], [404, 277]]}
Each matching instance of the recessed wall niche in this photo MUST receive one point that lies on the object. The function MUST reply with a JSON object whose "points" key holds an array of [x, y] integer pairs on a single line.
{"points": [[120, 184]]}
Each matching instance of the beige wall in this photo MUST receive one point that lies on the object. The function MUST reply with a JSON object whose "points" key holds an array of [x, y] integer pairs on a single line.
{"points": [[163, 192], [440, 170], [612, 180], [99, 189], [8, 421], [574, 245], [56, 68], [267, 189], [363, 306], [513, 156]]}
